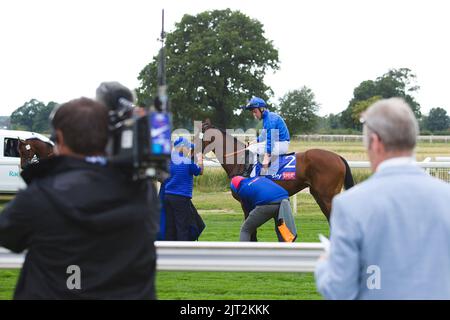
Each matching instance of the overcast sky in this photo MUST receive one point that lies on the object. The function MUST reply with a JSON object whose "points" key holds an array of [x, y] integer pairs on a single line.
{"points": [[59, 50]]}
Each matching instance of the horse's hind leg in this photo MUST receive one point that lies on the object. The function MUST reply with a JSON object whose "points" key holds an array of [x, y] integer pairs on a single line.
{"points": [[324, 202], [324, 192], [325, 172]]}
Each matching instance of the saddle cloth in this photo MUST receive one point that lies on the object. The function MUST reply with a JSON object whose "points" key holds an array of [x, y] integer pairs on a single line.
{"points": [[282, 168]]}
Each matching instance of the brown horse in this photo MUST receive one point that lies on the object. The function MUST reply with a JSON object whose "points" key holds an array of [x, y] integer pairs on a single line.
{"points": [[32, 150], [324, 172]]}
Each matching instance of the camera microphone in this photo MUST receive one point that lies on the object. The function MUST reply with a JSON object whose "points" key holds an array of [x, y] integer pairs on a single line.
{"points": [[114, 95]]}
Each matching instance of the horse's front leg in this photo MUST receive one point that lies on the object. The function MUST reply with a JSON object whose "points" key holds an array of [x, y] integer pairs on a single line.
{"points": [[253, 236]]}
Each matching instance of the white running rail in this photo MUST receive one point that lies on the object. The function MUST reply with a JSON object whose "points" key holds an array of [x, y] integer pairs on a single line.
{"points": [[220, 256]]}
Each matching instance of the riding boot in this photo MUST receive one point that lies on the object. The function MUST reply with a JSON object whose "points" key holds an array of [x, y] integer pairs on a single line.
{"points": [[247, 171]]}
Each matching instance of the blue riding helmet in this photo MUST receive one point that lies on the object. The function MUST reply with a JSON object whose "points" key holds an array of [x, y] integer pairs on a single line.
{"points": [[255, 102], [183, 142]]}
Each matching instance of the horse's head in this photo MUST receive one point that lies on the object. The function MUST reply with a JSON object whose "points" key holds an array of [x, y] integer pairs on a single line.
{"points": [[32, 150], [27, 153], [230, 152]]}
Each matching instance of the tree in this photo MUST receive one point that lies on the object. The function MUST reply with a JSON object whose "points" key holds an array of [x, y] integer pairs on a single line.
{"points": [[33, 116], [394, 83], [298, 108], [333, 121], [400, 83], [216, 61], [362, 106], [41, 121], [437, 120]]}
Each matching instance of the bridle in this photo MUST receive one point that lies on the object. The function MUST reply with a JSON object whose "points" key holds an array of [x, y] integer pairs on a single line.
{"points": [[247, 165], [31, 155]]}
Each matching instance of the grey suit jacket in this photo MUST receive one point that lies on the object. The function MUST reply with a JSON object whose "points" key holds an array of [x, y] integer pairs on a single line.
{"points": [[390, 239]]}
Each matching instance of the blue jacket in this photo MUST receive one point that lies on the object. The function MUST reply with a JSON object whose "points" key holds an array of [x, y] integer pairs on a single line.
{"points": [[182, 172], [271, 121], [390, 238], [259, 191]]}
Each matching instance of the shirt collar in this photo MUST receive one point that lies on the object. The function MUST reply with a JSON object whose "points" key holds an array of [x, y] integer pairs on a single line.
{"points": [[396, 162], [265, 114]]}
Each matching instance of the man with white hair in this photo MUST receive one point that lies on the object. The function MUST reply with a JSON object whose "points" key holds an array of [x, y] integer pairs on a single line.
{"points": [[390, 235]]}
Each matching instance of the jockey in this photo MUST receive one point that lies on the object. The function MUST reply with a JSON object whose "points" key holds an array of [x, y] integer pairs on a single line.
{"points": [[275, 134]]}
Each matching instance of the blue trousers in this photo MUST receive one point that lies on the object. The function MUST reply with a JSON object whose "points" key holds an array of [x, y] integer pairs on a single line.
{"points": [[178, 217]]}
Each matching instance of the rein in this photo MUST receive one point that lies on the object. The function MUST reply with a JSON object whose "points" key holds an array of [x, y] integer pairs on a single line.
{"points": [[227, 155], [234, 153]]}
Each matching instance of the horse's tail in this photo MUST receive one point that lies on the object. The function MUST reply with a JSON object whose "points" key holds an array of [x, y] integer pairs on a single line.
{"points": [[348, 179]]}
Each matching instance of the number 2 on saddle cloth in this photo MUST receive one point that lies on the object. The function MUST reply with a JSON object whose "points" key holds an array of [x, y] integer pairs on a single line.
{"points": [[282, 167]]}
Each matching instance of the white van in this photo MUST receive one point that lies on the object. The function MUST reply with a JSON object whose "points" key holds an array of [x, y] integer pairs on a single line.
{"points": [[10, 179]]}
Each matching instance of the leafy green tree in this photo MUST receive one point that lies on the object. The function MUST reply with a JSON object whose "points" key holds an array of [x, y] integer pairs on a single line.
{"points": [[22, 118], [362, 106], [400, 83], [41, 121], [216, 61], [32, 116], [437, 120], [395, 83], [298, 108], [333, 121], [365, 90]]}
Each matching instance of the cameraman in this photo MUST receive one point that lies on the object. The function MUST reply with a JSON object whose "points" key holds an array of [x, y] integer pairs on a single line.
{"points": [[89, 230]]}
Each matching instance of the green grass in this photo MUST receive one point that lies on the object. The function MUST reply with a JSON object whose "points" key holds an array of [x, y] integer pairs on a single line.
{"points": [[8, 279], [235, 286], [213, 179]]}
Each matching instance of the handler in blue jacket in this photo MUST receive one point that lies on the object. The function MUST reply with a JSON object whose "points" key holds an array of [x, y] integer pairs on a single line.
{"points": [[179, 209], [261, 197]]}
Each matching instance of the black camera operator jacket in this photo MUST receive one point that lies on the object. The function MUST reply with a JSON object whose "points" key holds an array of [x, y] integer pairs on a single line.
{"points": [[78, 219]]}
